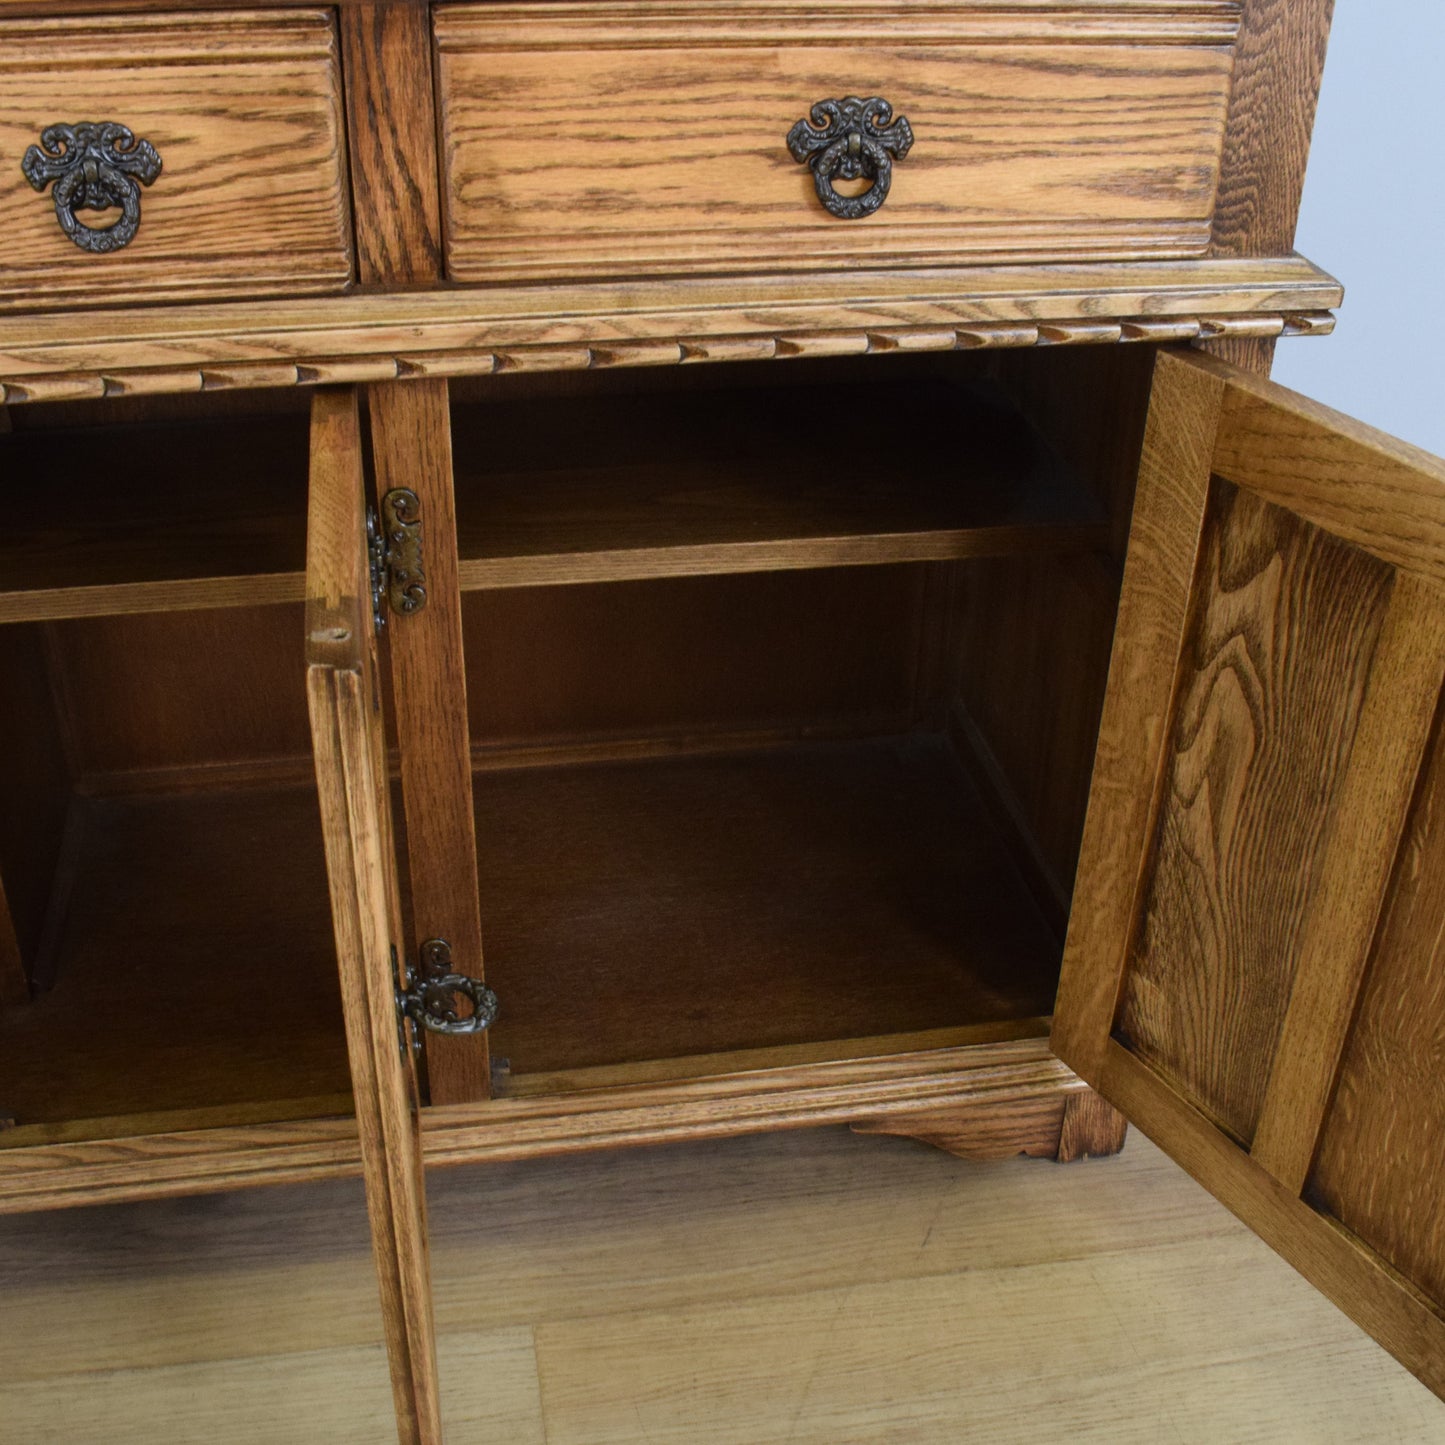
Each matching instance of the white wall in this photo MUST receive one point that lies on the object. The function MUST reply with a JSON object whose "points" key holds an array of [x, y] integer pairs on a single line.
{"points": [[1374, 215]]}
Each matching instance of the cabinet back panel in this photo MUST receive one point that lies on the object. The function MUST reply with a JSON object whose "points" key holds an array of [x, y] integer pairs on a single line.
{"points": [[694, 654], [1378, 1169], [1273, 672], [183, 689]]}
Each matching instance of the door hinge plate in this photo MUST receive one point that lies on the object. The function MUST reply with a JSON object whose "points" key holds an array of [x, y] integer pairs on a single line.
{"points": [[394, 548]]}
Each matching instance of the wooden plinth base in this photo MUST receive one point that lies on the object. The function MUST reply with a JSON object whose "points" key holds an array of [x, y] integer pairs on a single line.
{"points": [[1065, 1127]]}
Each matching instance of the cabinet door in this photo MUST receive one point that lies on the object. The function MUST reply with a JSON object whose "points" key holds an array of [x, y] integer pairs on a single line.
{"points": [[347, 732], [1255, 968]]}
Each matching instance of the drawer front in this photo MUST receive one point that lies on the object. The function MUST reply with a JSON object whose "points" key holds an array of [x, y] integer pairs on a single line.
{"points": [[243, 110], [652, 138]]}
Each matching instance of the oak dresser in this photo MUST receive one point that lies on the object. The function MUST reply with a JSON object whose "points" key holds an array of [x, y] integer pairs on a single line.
{"points": [[1011, 716]]}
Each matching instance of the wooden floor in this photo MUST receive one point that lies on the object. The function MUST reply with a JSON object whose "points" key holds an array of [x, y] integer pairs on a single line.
{"points": [[811, 1287]]}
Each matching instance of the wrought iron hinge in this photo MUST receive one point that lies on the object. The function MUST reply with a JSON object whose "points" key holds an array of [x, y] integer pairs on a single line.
{"points": [[429, 998], [394, 547]]}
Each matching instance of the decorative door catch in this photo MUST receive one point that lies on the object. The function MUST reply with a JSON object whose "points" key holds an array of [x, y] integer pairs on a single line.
{"points": [[398, 572], [95, 168], [848, 139]]}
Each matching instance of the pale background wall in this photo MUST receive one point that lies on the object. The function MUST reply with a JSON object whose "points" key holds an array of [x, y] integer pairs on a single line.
{"points": [[1374, 215]]}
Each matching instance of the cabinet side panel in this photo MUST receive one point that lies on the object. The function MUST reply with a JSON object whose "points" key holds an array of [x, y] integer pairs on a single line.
{"points": [[1273, 674], [1378, 1169]]}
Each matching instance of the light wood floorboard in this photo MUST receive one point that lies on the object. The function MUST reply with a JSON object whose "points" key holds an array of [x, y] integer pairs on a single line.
{"points": [[814, 1287]]}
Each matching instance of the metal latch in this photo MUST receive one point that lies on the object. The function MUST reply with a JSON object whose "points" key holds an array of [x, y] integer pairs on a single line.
{"points": [[394, 547], [429, 998]]}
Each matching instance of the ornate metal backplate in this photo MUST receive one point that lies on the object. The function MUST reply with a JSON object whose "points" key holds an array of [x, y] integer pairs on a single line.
{"points": [[95, 167], [429, 998], [848, 139]]}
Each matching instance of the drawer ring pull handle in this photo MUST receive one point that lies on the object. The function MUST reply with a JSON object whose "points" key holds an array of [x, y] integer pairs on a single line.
{"points": [[95, 167], [846, 140]]}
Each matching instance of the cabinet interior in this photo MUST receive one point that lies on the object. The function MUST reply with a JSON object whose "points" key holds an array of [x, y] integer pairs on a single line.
{"points": [[782, 686]]}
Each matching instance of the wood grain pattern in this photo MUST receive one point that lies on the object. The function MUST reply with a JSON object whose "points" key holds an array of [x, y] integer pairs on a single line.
{"points": [[411, 447], [391, 136], [1279, 58], [1368, 488], [1067, 1126], [713, 1104], [1052, 137], [1138, 705], [579, 326], [245, 110], [342, 690], [1394, 729], [1379, 1160], [1273, 673]]}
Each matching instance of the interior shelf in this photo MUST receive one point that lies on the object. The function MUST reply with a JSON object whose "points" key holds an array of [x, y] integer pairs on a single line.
{"points": [[762, 478], [155, 517], [194, 967], [707, 904], [188, 514]]}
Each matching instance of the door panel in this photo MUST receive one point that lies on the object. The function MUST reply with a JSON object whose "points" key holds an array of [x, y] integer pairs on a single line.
{"points": [[348, 737], [1379, 1165], [1250, 971]]}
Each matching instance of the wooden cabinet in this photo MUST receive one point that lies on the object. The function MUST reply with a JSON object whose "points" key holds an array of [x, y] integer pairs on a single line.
{"points": [[978, 729]]}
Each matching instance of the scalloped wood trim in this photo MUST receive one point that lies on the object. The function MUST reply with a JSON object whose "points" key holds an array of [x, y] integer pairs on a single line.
{"points": [[148, 381]]}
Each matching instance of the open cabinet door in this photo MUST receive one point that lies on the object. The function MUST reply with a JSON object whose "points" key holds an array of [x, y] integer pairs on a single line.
{"points": [[1255, 967], [349, 743]]}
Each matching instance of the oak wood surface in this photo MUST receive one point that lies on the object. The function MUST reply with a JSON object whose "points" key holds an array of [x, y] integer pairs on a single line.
{"points": [[1051, 134], [1153, 606], [1378, 1166], [245, 110], [64, 356], [782, 1089], [1273, 671], [1283, 797], [345, 705], [391, 135], [1394, 729], [411, 448]]}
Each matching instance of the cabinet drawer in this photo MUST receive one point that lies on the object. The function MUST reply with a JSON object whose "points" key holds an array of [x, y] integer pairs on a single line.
{"points": [[653, 138], [243, 110]]}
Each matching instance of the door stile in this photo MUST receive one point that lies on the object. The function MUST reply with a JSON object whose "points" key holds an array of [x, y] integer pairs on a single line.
{"points": [[411, 448], [348, 739], [1396, 722], [1128, 780]]}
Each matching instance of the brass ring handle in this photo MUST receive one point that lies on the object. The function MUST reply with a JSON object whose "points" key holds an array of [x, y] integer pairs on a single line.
{"points": [[848, 139], [95, 167]]}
